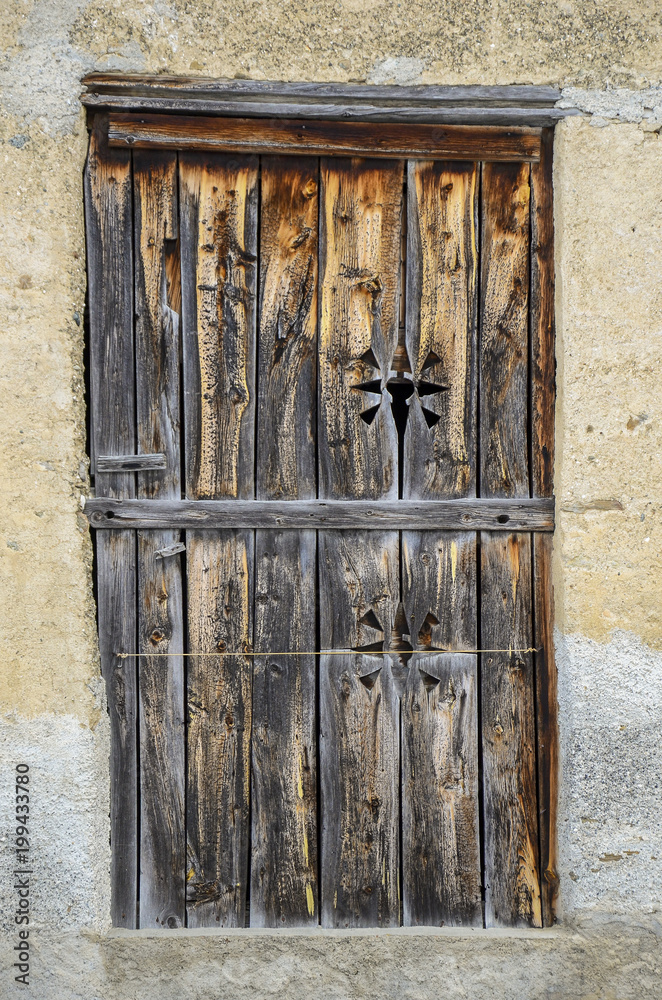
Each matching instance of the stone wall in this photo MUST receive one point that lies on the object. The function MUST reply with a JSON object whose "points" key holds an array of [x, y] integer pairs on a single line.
{"points": [[608, 572]]}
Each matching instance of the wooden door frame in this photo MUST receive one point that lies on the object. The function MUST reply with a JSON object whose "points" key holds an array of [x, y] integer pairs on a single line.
{"points": [[481, 123]]}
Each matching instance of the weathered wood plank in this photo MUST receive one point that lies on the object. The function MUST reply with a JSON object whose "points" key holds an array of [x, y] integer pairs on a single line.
{"points": [[440, 849], [441, 330], [287, 332], [548, 726], [543, 374], [218, 213], [322, 138], [116, 603], [361, 204], [108, 196], [130, 463], [161, 734], [491, 514], [163, 84], [284, 745], [414, 114], [359, 732], [219, 246], [504, 358], [220, 617], [284, 889], [160, 610], [441, 880], [512, 885], [543, 392]]}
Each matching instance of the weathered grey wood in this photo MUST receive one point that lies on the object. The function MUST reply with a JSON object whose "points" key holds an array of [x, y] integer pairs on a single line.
{"points": [[359, 731], [287, 331], [108, 215], [324, 138], [129, 463], [441, 878], [359, 736], [360, 224], [219, 246], [220, 617], [504, 358], [542, 420], [440, 846], [439, 578], [429, 515], [116, 603], [547, 727], [512, 883], [162, 735], [442, 264], [218, 213], [509, 116], [284, 890], [160, 610], [180, 86], [440, 802], [543, 373]]}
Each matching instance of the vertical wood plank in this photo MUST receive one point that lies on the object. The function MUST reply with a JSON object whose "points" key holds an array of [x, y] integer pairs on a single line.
{"points": [[284, 746], [360, 236], [220, 617], [284, 787], [219, 253], [440, 803], [504, 340], [160, 611], [542, 420], [359, 731], [441, 859], [218, 219], [287, 334], [440, 824], [442, 268], [108, 203], [360, 223], [512, 883]]}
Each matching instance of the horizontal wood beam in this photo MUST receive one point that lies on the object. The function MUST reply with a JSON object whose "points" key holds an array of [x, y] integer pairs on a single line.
{"points": [[139, 85], [509, 105], [130, 463], [328, 138], [445, 515]]}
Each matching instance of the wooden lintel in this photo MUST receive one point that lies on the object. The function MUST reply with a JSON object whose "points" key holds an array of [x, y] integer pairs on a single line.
{"points": [[328, 138], [445, 515], [130, 463], [468, 105], [163, 85]]}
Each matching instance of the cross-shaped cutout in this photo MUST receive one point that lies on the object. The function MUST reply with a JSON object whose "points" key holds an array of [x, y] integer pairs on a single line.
{"points": [[400, 644], [400, 388]]}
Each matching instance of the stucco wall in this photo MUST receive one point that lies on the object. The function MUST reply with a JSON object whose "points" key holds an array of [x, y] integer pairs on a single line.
{"points": [[608, 579]]}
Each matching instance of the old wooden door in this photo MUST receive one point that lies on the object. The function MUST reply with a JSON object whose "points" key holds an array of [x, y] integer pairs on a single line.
{"points": [[321, 392]]}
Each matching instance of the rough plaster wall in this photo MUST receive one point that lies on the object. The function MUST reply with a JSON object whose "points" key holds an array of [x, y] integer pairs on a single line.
{"points": [[608, 190]]}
